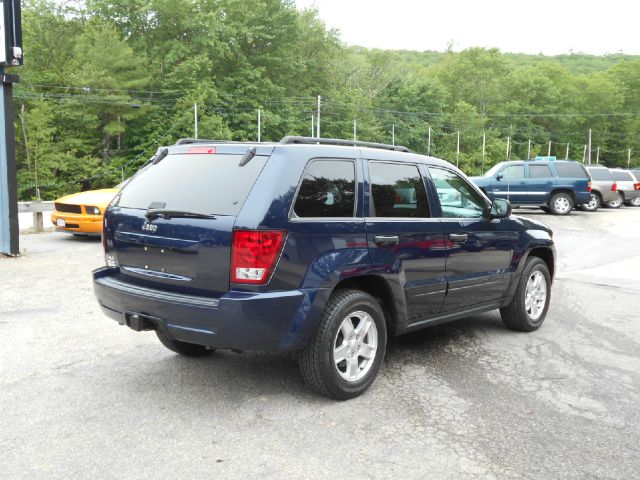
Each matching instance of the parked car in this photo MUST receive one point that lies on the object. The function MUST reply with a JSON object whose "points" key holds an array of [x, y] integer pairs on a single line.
{"points": [[554, 185], [628, 188], [82, 213], [604, 188], [320, 246]]}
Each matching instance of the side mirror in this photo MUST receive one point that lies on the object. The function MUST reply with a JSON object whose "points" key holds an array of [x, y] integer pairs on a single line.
{"points": [[499, 177], [500, 208]]}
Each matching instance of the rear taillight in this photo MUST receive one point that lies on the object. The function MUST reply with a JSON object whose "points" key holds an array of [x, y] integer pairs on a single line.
{"points": [[636, 186], [254, 254], [614, 187], [205, 150], [588, 186]]}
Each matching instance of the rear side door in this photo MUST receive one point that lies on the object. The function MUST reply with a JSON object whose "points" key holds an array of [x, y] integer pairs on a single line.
{"points": [[479, 250], [406, 243], [540, 182]]}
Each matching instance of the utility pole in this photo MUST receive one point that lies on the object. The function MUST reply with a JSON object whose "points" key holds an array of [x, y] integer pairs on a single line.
{"points": [[484, 143], [589, 146], [584, 154], [508, 146], [195, 120], [259, 127], [429, 143], [312, 127], [10, 55], [393, 134], [628, 158], [318, 114], [529, 151], [549, 149], [355, 131], [458, 150], [598, 156], [566, 157]]}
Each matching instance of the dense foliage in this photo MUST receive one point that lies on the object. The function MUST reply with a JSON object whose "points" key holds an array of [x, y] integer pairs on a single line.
{"points": [[106, 82]]}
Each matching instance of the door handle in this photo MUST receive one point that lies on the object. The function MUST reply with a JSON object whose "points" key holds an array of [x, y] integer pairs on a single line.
{"points": [[458, 237], [386, 239]]}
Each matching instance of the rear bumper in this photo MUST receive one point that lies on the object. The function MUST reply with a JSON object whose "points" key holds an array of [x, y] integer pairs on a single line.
{"points": [[273, 321], [583, 197], [608, 195], [630, 194]]}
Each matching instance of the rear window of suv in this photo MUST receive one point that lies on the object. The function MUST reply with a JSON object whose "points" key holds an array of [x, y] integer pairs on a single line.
{"points": [[208, 184], [328, 189], [570, 170], [601, 174], [622, 176]]}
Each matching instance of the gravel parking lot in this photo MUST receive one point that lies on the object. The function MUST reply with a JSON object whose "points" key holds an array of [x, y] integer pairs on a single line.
{"points": [[81, 397]]}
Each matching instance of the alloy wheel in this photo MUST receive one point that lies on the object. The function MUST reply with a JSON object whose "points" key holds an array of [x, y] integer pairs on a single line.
{"points": [[355, 346], [535, 295]]}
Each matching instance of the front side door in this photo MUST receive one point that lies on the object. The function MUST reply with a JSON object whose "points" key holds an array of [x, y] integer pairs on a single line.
{"points": [[511, 185], [406, 243], [479, 250]]}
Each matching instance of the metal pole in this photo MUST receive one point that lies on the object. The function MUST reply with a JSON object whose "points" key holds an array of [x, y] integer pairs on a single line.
{"points": [[318, 121], [584, 154], [259, 126], [598, 156], [566, 157], [355, 131], [458, 150], [484, 143], [195, 120], [312, 128], [8, 170], [529, 151], [589, 146], [429, 143], [393, 134], [549, 150], [508, 145], [628, 158]]}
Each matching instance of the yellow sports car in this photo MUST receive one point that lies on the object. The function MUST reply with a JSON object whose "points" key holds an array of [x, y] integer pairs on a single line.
{"points": [[82, 213]]}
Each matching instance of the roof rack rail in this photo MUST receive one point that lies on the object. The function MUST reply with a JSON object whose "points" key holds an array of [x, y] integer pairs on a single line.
{"points": [[337, 141]]}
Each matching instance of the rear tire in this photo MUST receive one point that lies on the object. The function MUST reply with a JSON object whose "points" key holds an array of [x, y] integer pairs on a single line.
{"points": [[561, 204], [530, 303], [635, 202], [594, 203], [182, 348], [346, 352], [617, 203]]}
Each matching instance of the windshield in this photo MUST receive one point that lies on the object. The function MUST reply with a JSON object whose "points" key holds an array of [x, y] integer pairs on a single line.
{"points": [[493, 170], [205, 184]]}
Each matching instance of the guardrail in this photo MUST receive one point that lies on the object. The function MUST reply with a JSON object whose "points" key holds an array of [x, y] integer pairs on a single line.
{"points": [[36, 208]]}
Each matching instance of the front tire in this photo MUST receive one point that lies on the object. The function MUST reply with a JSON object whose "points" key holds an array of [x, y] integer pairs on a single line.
{"points": [[561, 204], [346, 352], [182, 348], [530, 303], [594, 203]]}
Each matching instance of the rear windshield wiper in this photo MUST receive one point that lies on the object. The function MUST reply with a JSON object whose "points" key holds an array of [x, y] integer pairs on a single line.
{"points": [[169, 214]]}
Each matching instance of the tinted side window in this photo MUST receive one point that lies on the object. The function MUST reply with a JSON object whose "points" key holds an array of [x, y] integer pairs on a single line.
{"points": [[539, 171], [457, 198], [570, 170], [397, 190], [622, 176], [328, 189], [513, 171], [601, 174]]}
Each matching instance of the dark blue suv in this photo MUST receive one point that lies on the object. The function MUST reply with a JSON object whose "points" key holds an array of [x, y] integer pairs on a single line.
{"points": [[555, 185], [319, 246]]}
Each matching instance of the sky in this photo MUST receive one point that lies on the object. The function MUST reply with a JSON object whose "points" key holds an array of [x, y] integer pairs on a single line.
{"points": [[521, 26]]}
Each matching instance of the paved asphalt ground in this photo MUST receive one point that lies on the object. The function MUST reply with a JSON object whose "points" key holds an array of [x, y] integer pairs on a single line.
{"points": [[84, 398]]}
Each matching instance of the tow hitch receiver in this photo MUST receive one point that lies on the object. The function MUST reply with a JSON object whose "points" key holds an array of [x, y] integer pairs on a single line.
{"points": [[138, 322]]}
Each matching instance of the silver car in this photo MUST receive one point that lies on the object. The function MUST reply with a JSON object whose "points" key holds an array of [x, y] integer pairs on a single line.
{"points": [[628, 188], [603, 188]]}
